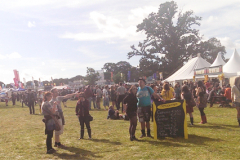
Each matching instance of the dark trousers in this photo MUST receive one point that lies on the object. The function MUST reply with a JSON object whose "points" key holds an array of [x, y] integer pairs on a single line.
{"points": [[94, 102], [49, 140], [83, 120], [202, 111], [14, 101], [119, 100], [31, 107]]}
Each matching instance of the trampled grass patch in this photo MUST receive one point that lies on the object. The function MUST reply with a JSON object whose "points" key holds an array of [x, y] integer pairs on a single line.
{"points": [[22, 137]]}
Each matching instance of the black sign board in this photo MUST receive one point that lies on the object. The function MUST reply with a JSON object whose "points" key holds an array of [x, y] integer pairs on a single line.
{"points": [[170, 119]]}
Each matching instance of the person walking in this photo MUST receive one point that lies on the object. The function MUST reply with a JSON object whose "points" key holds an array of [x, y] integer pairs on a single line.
{"points": [[235, 95], [58, 100], [144, 106], [82, 111], [120, 95], [30, 101], [130, 106], [201, 100], [98, 96]]}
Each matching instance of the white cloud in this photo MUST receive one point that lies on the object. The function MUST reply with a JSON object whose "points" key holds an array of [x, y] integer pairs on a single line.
{"points": [[138, 14], [108, 28], [31, 24], [22, 4], [14, 55], [91, 54], [229, 43]]}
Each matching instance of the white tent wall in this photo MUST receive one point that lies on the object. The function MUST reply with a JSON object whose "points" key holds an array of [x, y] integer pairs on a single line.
{"points": [[187, 71]]}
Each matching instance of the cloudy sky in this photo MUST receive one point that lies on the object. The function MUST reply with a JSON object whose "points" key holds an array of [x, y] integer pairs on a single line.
{"points": [[61, 38]]}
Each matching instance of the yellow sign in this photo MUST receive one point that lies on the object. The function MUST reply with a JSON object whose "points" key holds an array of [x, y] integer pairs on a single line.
{"points": [[169, 105]]}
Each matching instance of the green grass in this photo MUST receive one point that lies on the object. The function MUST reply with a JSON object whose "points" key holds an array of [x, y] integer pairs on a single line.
{"points": [[22, 137]]}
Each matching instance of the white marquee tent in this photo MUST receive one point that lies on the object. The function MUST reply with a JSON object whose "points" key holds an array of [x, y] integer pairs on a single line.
{"points": [[218, 61], [187, 71], [232, 67]]}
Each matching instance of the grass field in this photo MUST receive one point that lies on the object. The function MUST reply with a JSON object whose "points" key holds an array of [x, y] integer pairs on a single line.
{"points": [[22, 137]]}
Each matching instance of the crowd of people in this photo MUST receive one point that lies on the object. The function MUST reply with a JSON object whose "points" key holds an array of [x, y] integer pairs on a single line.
{"points": [[136, 103]]}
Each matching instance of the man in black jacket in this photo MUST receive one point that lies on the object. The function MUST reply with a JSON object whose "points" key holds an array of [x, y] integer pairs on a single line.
{"points": [[30, 100]]}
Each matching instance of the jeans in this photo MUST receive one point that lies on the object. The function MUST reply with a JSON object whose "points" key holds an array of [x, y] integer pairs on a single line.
{"points": [[94, 102], [90, 101]]}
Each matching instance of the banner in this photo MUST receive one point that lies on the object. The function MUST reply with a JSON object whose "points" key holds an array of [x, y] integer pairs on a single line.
{"points": [[161, 75], [3, 85], [16, 77], [129, 76], [155, 76]]}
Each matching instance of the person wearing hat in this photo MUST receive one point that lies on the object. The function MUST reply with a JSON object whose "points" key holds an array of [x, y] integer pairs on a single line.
{"points": [[144, 94]]}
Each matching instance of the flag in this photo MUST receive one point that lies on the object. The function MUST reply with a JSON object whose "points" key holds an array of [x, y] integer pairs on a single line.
{"points": [[155, 75], [3, 86], [129, 75], [24, 81], [161, 75], [16, 77], [33, 84]]}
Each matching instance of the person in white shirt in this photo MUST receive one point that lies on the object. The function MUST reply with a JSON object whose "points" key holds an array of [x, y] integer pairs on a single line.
{"points": [[235, 92], [105, 97]]}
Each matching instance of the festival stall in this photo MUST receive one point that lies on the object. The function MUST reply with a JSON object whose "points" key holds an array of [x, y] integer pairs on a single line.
{"points": [[220, 70], [187, 71]]}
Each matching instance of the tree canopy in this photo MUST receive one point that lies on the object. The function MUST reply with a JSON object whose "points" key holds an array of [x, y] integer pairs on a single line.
{"points": [[170, 40]]}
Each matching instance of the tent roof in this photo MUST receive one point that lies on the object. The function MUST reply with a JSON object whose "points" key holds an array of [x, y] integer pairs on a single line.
{"points": [[187, 71], [218, 61], [233, 65]]}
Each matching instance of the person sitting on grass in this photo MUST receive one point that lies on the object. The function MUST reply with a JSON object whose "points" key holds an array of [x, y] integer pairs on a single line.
{"points": [[113, 114]]}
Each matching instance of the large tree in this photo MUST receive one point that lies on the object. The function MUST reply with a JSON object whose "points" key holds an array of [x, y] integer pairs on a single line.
{"points": [[92, 76], [169, 41]]}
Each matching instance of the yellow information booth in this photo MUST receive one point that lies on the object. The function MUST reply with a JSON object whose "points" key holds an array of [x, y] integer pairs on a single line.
{"points": [[169, 119]]}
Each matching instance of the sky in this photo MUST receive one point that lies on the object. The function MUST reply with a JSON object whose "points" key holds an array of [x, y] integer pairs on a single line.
{"points": [[61, 38]]}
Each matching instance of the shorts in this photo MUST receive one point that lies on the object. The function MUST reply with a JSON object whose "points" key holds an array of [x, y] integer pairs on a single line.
{"points": [[57, 133], [144, 114]]}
